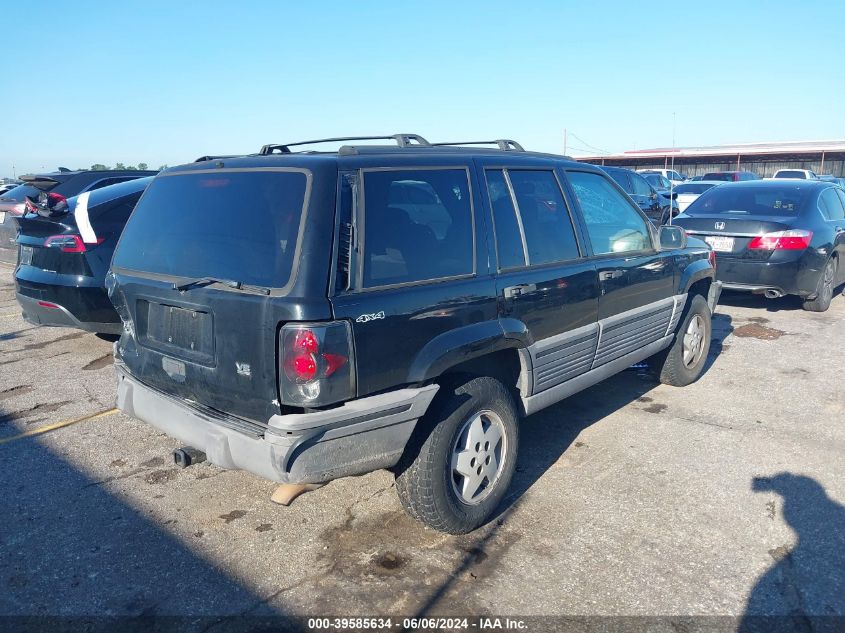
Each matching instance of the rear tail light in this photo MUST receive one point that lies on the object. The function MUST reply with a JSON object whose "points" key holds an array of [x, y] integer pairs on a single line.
{"points": [[69, 243], [316, 364], [712, 257], [791, 240]]}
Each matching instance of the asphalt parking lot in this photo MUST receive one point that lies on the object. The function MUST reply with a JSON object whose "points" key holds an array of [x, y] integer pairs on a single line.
{"points": [[631, 498]]}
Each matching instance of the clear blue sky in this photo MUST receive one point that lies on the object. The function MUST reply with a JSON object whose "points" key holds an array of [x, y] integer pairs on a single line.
{"points": [[164, 81]]}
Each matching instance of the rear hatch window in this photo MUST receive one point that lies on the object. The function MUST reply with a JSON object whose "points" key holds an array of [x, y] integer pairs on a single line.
{"points": [[233, 224]]}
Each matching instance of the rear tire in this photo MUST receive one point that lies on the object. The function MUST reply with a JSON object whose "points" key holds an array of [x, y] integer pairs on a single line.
{"points": [[683, 361], [824, 290], [459, 464]]}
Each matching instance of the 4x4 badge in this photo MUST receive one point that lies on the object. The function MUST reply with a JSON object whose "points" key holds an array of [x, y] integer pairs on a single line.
{"points": [[720, 226], [364, 318]]}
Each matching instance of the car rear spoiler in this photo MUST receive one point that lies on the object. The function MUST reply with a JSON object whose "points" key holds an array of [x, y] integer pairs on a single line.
{"points": [[42, 183]]}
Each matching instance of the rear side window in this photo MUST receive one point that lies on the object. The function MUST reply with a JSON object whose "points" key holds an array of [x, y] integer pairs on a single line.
{"points": [[417, 226], [236, 225], [794, 173], [641, 187], [830, 205], [613, 224], [549, 235], [506, 226]]}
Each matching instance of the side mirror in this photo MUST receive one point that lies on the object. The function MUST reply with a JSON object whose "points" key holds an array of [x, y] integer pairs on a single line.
{"points": [[653, 195], [671, 237]]}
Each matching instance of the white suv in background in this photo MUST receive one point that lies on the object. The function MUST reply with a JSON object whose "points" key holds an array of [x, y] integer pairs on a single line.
{"points": [[802, 174], [670, 174]]}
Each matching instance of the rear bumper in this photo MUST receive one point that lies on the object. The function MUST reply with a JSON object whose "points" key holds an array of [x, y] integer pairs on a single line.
{"points": [[358, 437], [788, 277], [60, 316], [83, 300]]}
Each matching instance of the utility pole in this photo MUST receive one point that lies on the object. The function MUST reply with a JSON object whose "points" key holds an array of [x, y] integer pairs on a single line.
{"points": [[672, 182]]}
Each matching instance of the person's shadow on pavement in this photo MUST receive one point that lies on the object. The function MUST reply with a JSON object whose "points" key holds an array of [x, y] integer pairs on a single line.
{"points": [[805, 589]]}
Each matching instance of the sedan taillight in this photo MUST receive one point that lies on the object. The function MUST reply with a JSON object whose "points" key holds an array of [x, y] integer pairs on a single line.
{"points": [[791, 240]]}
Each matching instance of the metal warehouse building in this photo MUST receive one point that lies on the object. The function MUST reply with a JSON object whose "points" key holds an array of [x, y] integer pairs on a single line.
{"points": [[822, 157]]}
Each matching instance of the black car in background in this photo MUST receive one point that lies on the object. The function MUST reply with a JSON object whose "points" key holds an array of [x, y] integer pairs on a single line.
{"points": [[64, 254], [654, 204], [731, 176], [774, 237], [49, 190]]}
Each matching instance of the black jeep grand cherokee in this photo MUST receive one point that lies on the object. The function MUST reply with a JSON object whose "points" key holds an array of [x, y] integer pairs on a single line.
{"points": [[311, 315]]}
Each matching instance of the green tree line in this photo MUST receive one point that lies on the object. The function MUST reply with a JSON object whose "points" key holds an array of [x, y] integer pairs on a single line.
{"points": [[138, 167]]}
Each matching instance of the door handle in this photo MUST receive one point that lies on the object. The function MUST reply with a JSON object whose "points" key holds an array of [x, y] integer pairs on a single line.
{"points": [[512, 292], [607, 275]]}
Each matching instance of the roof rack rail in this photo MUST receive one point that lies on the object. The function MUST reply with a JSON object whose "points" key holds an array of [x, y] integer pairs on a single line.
{"points": [[402, 140], [202, 159], [505, 144]]}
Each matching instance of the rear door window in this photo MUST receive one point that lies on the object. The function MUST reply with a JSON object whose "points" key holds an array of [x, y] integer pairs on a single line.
{"points": [[641, 186], [241, 225], [505, 223], [549, 235], [613, 224], [417, 226]]}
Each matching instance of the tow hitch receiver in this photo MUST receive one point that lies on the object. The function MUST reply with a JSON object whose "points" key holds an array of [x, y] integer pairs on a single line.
{"points": [[187, 456]]}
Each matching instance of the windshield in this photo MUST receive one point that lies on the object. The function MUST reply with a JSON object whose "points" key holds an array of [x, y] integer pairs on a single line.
{"points": [[727, 176], [694, 187], [751, 200], [790, 173], [240, 225]]}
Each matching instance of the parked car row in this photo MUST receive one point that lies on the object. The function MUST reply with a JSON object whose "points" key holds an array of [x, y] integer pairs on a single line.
{"points": [[312, 315], [307, 316], [49, 191]]}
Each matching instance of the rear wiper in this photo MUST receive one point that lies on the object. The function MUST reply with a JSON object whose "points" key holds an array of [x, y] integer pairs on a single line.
{"points": [[205, 281]]}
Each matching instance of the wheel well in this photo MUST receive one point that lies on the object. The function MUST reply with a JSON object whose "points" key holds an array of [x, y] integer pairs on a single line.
{"points": [[504, 365], [700, 287]]}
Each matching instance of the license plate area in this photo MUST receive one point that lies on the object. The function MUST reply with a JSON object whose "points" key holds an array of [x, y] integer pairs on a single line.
{"points": [[720, 243], [179, 331], [26, 256]]}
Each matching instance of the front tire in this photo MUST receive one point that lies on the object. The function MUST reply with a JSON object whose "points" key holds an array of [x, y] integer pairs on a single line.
{"points": [[459, 465], [824, 290], [682, 362]]}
